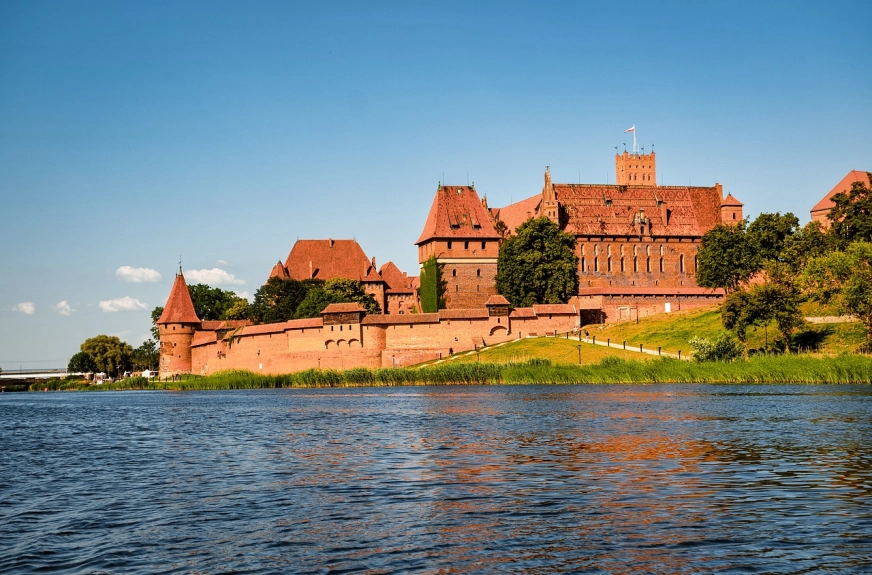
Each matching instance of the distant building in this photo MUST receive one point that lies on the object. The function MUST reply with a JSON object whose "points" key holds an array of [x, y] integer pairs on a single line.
{"points": [[822, 209]]}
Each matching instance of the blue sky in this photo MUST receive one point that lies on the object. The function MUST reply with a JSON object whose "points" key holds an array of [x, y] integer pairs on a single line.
{"points": [[135, 133]]}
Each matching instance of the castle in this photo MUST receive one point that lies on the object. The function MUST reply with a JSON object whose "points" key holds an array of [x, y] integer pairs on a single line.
{"points": [[636, 242]]}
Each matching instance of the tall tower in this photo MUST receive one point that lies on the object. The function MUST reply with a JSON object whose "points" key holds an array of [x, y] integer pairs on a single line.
{"points": [[460, 233], [176, 327], [550, 205], [636, 169]]}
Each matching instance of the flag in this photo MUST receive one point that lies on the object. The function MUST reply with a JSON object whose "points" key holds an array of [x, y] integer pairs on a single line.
{"points": [[633, 129]]}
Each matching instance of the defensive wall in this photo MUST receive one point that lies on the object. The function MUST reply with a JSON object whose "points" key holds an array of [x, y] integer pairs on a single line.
{"points": [[345, 337]]}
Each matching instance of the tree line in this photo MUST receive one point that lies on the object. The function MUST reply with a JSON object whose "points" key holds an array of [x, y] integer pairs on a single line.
{"points": [[770, 266]]}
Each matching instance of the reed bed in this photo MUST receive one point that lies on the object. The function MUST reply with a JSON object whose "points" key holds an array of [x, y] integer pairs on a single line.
{"points": [[845, 369]]}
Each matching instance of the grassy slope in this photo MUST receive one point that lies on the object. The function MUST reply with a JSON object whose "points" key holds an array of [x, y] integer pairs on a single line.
{"points": [[558, 350], [672, 331]]}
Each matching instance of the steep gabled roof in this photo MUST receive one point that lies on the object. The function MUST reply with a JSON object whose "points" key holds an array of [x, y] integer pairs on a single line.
{"points": [[516, 214], [179, 307], [731, 201], [457, 212], [326, 259], [397, 281], [496, 300], [278, 271], [826, 203], [343, 308]]}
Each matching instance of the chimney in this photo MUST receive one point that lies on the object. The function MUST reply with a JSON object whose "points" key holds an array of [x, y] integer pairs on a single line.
{"points": [[310, 269], [330, 242], [373, 262]]}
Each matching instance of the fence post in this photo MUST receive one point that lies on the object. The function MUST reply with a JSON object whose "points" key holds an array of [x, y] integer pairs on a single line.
{"points": [[640, 348], [679, 354], [625, 345], [609, 342], [658, 350], [594, 340]]}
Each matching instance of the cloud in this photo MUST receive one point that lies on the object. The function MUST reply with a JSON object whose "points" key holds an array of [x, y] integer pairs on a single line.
{"points": [[63, 308], [244, 294], [125, 303], [213, 277], [25, 307], [221, 263], [137, 275]]}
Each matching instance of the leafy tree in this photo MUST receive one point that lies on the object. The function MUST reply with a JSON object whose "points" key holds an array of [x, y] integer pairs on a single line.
{"points": [[155, 315], [807, 242], [352, 291], [537, 265], [772, 301], [723, 348], [239, 310], [726, 257], [81, 362], [851, 215], [315, 302], [844, 279], [109, 354], [501, 228], [769, 232], [211, 303], [277, 300], [146, 356], [432, 289]]}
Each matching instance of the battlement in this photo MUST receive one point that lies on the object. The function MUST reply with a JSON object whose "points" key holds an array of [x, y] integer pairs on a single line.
{"points": [[634, 169]]}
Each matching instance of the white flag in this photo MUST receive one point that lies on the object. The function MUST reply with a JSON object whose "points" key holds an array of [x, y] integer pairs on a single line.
{"points": [[633, 129]]}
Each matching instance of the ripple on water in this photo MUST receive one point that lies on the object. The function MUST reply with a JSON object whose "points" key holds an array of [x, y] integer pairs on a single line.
{"points": [[678, 479]]}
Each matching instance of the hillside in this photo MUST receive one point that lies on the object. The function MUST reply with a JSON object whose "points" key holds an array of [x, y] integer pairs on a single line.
{"points": [[672, 332]]}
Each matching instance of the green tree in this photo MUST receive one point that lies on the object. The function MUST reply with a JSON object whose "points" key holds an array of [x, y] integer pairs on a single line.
{"points": [[352, 291], [845, 280], [761, 304], [81, 362], [806, 243], [277, 300], [155, 315], [432, 286], [315, 302], [109, 354], [146, 356], [537, 265], [211, 303], [726, 257], [239, 310], [769, 232], [851, 216]]}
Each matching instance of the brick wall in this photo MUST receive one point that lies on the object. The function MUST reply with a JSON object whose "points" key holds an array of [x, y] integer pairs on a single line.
{"points": [[658, 262], [468, 286]]}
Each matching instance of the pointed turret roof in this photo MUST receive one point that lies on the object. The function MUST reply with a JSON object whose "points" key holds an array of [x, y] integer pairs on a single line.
{"points": [[179, 307], [457, 212], [278, 271], [731, 200]]}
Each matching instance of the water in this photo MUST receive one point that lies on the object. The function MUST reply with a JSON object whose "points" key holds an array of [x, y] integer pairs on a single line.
{"points": [[532, 479]]}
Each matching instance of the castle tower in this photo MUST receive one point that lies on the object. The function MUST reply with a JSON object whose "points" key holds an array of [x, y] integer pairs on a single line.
{"points": [[550, 206], [636, 169], [460, 233], [176, 327], [731, 209]]}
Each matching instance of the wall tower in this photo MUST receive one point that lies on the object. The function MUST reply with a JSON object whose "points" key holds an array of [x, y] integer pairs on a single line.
{"points": [[176, 326]]}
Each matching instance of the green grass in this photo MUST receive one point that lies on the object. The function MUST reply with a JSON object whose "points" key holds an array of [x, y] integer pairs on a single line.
{"points": [[672, 331], [556, 349], [844, 369]]}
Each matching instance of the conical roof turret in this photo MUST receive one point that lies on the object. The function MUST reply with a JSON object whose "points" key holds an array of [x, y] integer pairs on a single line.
{"points": [[179, 307]]}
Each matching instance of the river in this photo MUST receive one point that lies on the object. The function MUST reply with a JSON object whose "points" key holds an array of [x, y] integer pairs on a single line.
{"points": [[479, 479]]}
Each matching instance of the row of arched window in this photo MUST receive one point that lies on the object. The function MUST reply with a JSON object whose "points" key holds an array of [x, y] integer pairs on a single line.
{"points": [[647, 262]]}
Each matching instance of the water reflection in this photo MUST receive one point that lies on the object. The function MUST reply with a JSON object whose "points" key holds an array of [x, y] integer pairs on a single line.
{"points": [[678, 479]]}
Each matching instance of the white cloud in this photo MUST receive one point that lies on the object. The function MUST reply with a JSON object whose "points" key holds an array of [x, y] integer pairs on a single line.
{"points": [[221, 263], [137, 275], [125, 303], [25, 307], [212, 277], [63, 308], [244, 294]]}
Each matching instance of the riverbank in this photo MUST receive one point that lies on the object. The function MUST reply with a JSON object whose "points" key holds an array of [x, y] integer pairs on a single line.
{"points": [[846, 369]]}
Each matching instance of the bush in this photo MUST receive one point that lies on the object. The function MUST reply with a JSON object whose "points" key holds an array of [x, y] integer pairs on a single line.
{"points": [[611, 361], [724, 348]]}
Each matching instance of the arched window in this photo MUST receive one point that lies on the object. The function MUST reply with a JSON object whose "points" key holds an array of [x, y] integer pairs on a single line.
{"points": [[661, 265], [635, 264], [466, 245], [583, 265], [449, 245], [478, 273], [648, 265], [454, 273], [609, 264], [622, 264], [596, 264], [681, 263]]}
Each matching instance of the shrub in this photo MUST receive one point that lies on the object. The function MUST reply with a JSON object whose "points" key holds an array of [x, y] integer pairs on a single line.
{"points": [[724, 348]]}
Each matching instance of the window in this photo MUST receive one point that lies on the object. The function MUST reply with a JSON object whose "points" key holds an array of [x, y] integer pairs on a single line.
{"points": [[454, 273], [661, 265], [466, 245], [482, 245], [622, 265], [635, 264], [583, 265], [609, 264], [681, 263], [734, 215], [648, 265], [596, 264], [449, 245], [478, 273]]}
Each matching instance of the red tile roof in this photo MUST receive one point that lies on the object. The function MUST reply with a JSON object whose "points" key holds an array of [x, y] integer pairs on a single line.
{"points": [[731, 201], [457, 212], [278, 271], [554, 308], [826, 204], [179, 307], [522, 312], [463, 314], [650, 291], [496, 300], [326, 259], [404, 319], [203, 338], [516, 214], [224, 324], [397, 281], [343, 308]]}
